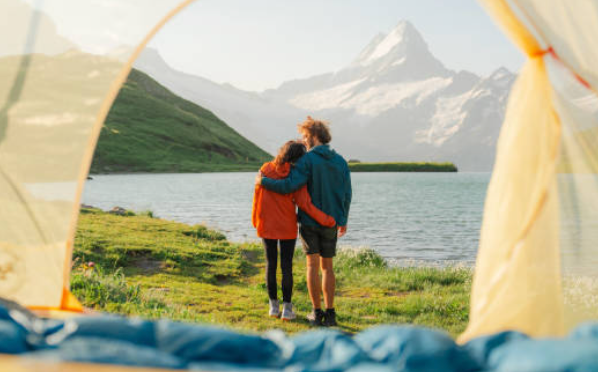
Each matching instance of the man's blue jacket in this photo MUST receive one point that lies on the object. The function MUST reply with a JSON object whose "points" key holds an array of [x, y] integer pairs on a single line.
{"points": [[328, 181]]}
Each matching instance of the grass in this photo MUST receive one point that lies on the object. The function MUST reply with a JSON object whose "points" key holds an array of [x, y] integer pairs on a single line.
{"points": [[402, 167], [155, 268], [149, 129]]}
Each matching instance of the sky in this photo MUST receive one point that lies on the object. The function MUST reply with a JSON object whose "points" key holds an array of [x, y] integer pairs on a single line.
{"points": [[96, 26], [258, 44]]}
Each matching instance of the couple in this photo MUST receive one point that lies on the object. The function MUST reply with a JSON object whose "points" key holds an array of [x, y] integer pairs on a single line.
{"points": [[303, 172]]}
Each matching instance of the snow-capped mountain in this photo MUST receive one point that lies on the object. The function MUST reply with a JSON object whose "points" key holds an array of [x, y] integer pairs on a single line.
{"points": [[394, 102]]}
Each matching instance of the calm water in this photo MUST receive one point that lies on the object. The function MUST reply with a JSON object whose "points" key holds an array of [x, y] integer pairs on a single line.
{"points": [[404, 216]]}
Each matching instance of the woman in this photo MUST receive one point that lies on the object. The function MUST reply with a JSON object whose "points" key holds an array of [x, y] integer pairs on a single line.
{"points": [[275, 218]]}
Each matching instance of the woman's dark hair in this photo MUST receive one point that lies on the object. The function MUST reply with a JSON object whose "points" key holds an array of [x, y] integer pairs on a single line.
{"points": [[290, 152]]}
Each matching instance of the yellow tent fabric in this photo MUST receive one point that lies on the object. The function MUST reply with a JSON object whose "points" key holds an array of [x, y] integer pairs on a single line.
{"points": [[62, 64], [20, 364], [535, 270], [570, 28]]}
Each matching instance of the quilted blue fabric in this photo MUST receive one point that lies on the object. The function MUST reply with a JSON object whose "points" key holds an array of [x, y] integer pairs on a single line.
{"points": [[165, 344]]}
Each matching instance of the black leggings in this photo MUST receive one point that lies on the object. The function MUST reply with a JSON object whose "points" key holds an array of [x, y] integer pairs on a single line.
{"points": [[287, 249]]}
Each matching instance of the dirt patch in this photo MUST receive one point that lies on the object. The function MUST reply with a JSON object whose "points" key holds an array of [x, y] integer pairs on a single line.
{"points": [[250, 256], [149, 265], [397, 294], [198, 309], [138, 254], [161, 289], [222, 279], [354, 294]]}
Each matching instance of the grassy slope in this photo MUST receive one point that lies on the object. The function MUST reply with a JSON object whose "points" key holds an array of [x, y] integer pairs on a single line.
{"points": [[155, 268], [402, 167], [149, 129]]}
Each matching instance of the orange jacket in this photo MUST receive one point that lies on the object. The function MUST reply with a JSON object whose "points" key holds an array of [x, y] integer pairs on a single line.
{"points": [[274, 215]]}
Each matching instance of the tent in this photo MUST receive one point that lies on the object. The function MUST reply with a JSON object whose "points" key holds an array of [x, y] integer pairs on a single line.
{"points": [[536, 266], [63, 62], [55, 97]]}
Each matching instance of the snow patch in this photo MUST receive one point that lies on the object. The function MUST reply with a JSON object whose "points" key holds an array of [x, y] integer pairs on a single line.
{"points": [[500, 78], [500, 74], [325, 99], [381, 98], [385, 46], [374, 100], [399, 62], [447, 120]]}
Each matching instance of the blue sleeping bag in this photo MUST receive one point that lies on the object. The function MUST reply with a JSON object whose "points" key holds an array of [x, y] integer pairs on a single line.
{"points": [[165, 344]]}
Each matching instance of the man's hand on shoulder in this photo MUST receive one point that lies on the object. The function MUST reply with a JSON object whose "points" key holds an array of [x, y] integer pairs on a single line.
{"points": [[342, 230], [258, 178]]}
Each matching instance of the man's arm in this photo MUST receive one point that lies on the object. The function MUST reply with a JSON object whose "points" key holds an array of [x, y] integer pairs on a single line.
{"points": [[297, 177], [342, 230]]}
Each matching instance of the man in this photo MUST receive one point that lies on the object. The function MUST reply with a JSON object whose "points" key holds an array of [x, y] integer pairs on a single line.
{"points": [[328, 181]]}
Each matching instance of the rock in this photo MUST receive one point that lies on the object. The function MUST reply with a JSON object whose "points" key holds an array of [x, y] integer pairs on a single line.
{"points": [[119, 211]]}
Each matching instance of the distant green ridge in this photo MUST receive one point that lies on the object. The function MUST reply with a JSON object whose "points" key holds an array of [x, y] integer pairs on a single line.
{"points": [[402, 167], [150, 129]]}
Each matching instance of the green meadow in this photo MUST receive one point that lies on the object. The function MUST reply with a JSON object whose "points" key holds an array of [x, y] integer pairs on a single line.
{"points": [[144, 266]]}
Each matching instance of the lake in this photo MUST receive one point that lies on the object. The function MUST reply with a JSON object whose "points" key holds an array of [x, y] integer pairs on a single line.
{"points": [[404, 216]]}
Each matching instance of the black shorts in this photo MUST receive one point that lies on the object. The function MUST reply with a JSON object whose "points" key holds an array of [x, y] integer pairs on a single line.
{"points": [[319, 240]]}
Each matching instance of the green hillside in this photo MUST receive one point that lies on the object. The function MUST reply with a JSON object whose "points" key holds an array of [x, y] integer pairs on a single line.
{"points": [[149, 129]]}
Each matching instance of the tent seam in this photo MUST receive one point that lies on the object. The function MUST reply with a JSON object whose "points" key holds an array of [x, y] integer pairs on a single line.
{"points": [[95, 132]]}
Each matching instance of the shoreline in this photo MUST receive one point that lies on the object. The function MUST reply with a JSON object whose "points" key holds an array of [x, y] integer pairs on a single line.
{"points": [[402, 167], [354, 167], [391, 261]]}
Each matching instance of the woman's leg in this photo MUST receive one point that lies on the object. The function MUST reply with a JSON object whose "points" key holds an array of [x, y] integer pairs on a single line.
{"points": [[271, 250], [287, 250]]}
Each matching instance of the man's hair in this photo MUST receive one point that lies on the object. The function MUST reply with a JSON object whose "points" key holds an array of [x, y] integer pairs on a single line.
{"points": [[316, 129], [290, 152]]}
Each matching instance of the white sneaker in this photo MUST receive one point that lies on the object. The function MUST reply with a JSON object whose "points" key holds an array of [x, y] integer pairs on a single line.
{"points": [[274, 309], [287, 311]]}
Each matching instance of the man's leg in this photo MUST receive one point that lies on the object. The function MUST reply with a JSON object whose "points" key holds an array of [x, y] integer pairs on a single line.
{"points": [[311, 245], [328, 281], [328, 251], [313, 280]]}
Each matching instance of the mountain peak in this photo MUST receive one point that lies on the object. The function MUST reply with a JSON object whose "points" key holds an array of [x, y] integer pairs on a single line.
{"points": [[500, 79], [150, 60], [405, 27], [500, 73], [403, 36]]}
